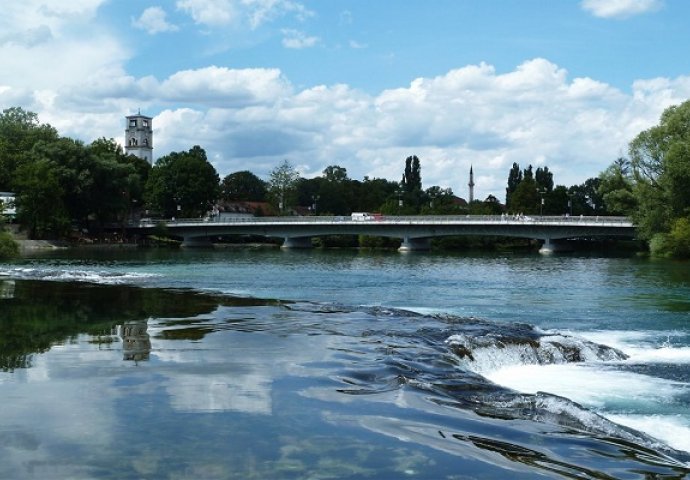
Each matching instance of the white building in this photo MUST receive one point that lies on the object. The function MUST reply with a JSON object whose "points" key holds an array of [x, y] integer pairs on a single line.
{"points": [[8, 208], [139, 137]]}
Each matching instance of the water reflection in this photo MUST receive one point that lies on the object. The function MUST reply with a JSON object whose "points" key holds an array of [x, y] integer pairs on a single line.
{"points": [[37, 314], [136, 342], [6, 289]]}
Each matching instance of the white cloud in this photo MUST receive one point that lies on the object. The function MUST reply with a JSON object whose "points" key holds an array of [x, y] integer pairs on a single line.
{"points": [[355, 44], [226, 87], [218, 13], [472, 115], [262, 11], [620, 8], [298, 40], [154, 20], [212, 13], [254, 118]]}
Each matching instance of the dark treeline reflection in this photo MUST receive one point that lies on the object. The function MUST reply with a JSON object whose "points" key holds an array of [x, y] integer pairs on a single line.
{"points": [[36, 314]]}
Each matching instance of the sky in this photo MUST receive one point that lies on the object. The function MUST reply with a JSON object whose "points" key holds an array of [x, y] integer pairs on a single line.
{"points": [[362, 84]]}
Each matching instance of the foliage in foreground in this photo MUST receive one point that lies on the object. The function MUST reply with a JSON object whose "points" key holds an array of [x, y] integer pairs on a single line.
{"points": [[8, 247], [660, 176]]}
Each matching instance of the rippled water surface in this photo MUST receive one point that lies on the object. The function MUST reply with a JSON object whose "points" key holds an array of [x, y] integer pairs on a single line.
{"points": [[337, 364]]}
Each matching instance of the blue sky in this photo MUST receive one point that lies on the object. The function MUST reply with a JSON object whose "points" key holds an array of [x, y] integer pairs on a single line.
{"points": [[361, 84]]}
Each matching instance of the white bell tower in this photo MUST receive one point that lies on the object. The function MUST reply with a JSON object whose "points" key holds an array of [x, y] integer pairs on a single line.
{"points": [[139, 137]]}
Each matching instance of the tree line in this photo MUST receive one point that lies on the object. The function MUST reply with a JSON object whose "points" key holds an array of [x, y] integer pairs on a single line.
{"points": [[63, 185]]}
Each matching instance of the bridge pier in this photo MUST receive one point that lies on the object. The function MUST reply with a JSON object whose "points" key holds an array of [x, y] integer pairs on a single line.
{"points": [[297, 242], [195, 242], [415, 244], [552, 246]]}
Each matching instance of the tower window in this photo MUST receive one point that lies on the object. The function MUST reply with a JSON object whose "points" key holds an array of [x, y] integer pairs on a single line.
{"points": [[146, 142], [132, 142], [133, 123], [145, 123]]}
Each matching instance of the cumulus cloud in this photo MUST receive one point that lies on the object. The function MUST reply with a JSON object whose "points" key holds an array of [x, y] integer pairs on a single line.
{"points": [[298, 40], [473, 115], [221, 86], [620, 8], [153, 20], [255, 118]]}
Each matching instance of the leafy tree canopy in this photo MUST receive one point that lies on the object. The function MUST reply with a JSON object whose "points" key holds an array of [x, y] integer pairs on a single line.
{"points": [[243, 186], [660, 164], [183, 184], [282, 186], [19, 131]]}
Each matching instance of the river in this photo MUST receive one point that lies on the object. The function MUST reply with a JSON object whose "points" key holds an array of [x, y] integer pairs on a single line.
{"points": [[271, 364]]}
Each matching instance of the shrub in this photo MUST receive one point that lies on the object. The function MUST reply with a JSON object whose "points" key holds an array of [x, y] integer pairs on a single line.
{"points": [[658, 245], [679, 238], [8, 247]]}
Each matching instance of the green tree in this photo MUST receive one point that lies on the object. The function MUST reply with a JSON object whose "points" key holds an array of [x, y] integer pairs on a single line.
{"points": [[678, 239], [19, 131], [514, 179], [412, 178], [118, 181], [585, 198], [40, 200], [556, 202], [660, 161], [411, 186], [243, 186], [440, 201], [73, 167], [335, 193], [282, 186], [544, 179], [9, 248], [525, 199], [182, 184], [616, 189], [335, 174], [372, 194]]}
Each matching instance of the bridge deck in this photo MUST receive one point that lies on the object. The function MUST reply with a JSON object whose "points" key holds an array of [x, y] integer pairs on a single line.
{"points": [[595, 221]]}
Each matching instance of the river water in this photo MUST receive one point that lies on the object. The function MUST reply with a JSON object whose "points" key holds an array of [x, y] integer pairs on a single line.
{"points": [[270, 364]]}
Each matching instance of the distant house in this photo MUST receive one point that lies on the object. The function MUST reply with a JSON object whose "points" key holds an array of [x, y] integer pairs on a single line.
{"points": [[459, 202], [8, 207], [232, 210]]}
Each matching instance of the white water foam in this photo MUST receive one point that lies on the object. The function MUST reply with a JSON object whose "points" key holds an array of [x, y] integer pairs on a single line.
{"points": [[486, 354], [674, 430], [609, 392], [644, 346], [91, 276]]}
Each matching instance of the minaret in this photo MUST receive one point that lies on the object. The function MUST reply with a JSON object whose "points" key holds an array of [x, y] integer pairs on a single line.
{"points": [[139, 137], [471, 185]]}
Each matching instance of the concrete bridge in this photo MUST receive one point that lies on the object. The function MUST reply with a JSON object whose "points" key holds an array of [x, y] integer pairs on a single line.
{"points": [[415, 232]]}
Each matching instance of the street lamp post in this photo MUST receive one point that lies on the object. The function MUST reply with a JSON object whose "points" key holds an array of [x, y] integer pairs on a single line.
{"points": [[541, 203], [314, 199]]}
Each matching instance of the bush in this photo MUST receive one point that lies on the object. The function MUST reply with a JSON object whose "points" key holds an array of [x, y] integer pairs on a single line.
{"points": [[8, 247], [658, 245], [679, 238]]}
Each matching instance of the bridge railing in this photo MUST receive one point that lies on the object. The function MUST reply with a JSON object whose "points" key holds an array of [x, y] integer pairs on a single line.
{"points": [[400, 219]]}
